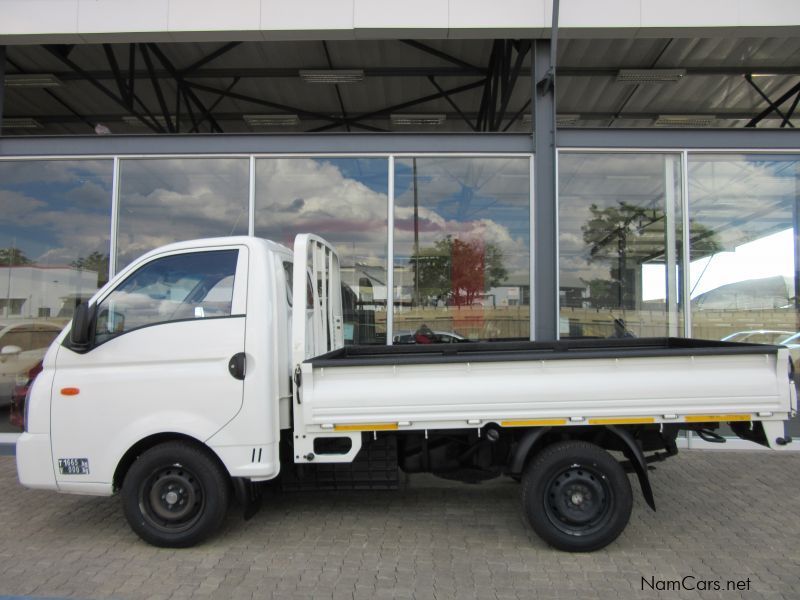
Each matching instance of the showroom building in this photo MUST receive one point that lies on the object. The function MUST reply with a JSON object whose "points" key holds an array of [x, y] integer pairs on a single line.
{"points": [[628, 168]]}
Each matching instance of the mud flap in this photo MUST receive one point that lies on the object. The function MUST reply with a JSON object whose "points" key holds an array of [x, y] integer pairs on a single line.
{"points": [[249, 495], [635, 455]]}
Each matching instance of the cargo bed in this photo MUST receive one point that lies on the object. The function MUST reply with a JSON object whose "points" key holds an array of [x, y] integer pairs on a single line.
{"points": [[673, 381]]}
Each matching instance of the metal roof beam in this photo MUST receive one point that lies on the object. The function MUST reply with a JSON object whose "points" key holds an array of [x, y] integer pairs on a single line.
{"points": [[410, 103], [791, 110], [522, 51], [336, 86], [157, 88], [452, 103], [278, 73], [438, 54], [177, 75], [209, 58], [292, 73], [112, 62], [517, 115], [207, 111], [57, 53], [284, 107], [792, 91], [774, 107], [465, 115]]}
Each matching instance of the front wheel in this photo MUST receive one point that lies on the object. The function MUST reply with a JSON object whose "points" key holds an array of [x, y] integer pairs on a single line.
{"points": [[576, 496], [175, 495]]}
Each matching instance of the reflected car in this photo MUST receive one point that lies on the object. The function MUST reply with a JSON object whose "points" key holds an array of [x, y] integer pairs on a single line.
{"points": [[19, 396], [790, 339], [440, 337], [22, 345]]}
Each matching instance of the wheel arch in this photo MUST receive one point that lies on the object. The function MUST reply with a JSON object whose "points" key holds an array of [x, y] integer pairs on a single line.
{"points": [[536, 439], [143, 445]]}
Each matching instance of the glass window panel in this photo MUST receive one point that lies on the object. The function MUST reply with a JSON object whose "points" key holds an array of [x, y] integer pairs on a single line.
{"points": [[169, 200], [743, 269], [344, 200], [743, 273], [461, 249], [54, 248], [619, 245]]}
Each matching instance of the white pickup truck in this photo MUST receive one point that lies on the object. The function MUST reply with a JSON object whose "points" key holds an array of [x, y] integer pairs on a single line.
{"points": [[206, 367]]}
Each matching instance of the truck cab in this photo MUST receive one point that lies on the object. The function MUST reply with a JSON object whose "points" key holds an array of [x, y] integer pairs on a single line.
{"points": [[167, 345]]}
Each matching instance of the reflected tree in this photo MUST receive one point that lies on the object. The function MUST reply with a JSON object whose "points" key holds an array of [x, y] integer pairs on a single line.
{"points": [[457, 271], [630, 235], [97, 262], [13, 257]]}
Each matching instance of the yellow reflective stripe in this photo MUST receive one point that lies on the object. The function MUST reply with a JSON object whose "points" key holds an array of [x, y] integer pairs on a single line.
{"points": [[621, 421], [704, 418], [533, 422], [367, 427]]}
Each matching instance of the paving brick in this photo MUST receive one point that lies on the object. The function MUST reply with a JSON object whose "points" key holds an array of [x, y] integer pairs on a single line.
{"points": [[720, 516]]}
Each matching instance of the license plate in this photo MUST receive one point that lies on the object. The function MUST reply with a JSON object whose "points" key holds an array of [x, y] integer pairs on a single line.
{"points": [[73, 466]]}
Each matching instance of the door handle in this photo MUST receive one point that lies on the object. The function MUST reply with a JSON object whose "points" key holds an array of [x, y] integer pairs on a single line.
{"points": [[237, 365]]}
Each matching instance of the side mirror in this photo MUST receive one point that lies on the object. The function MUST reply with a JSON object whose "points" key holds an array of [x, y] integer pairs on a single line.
{"points": [[81, 326]]}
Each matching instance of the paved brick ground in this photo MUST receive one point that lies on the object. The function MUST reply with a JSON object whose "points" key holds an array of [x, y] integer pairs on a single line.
{"points": [[722, 516]]}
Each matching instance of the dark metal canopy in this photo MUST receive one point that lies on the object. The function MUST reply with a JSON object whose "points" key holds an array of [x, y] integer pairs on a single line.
{"points": [[396, 85]]}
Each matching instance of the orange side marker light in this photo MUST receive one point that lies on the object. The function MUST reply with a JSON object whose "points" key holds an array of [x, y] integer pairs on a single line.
{"points": [[70, 391]]}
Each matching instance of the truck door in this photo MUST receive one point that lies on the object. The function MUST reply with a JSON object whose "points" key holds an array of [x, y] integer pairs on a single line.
{"points": [[161, 360]]}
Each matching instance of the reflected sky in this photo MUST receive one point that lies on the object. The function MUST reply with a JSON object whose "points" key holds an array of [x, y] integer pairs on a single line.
{"points": [[342, 200], [609, 181], [486, 199], [168, 200], [56, 211], [748, 201]]}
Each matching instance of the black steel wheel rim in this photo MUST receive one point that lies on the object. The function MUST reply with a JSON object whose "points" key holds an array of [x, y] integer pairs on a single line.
{"points": [[578, 500], [171, 499]]}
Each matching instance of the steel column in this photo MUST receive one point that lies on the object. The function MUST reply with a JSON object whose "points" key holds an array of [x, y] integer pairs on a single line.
{"points": [[670, 243], [686, 259], [796, 231], [390, 256], [2, 83], [114, 240], [545, 214]]}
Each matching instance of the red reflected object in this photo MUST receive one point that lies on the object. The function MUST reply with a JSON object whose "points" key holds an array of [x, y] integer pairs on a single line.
{"points": [[17, 414]]}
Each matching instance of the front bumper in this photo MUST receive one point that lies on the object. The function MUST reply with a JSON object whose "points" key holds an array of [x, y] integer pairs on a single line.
{"points": [[35, 461]]}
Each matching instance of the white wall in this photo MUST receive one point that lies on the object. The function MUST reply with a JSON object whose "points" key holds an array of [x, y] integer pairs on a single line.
{"points": [[75, 21]]}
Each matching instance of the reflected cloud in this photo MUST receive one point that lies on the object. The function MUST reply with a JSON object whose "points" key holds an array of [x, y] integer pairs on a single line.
{"points": [[55, 211], [169, 200], [304, 195]]}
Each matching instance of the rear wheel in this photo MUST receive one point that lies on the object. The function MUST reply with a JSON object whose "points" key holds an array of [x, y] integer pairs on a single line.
{"points": [[576, 496], [175, 495]]}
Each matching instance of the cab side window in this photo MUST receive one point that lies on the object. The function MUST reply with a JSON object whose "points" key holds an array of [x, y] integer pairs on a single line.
{"points": [[195, 285]]}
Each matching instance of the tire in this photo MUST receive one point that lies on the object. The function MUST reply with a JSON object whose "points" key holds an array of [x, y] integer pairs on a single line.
{"points": [[576, 496], [175, 495]]}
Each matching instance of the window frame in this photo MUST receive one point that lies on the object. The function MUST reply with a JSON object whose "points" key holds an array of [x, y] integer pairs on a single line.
{"points": [[238, 300]]}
